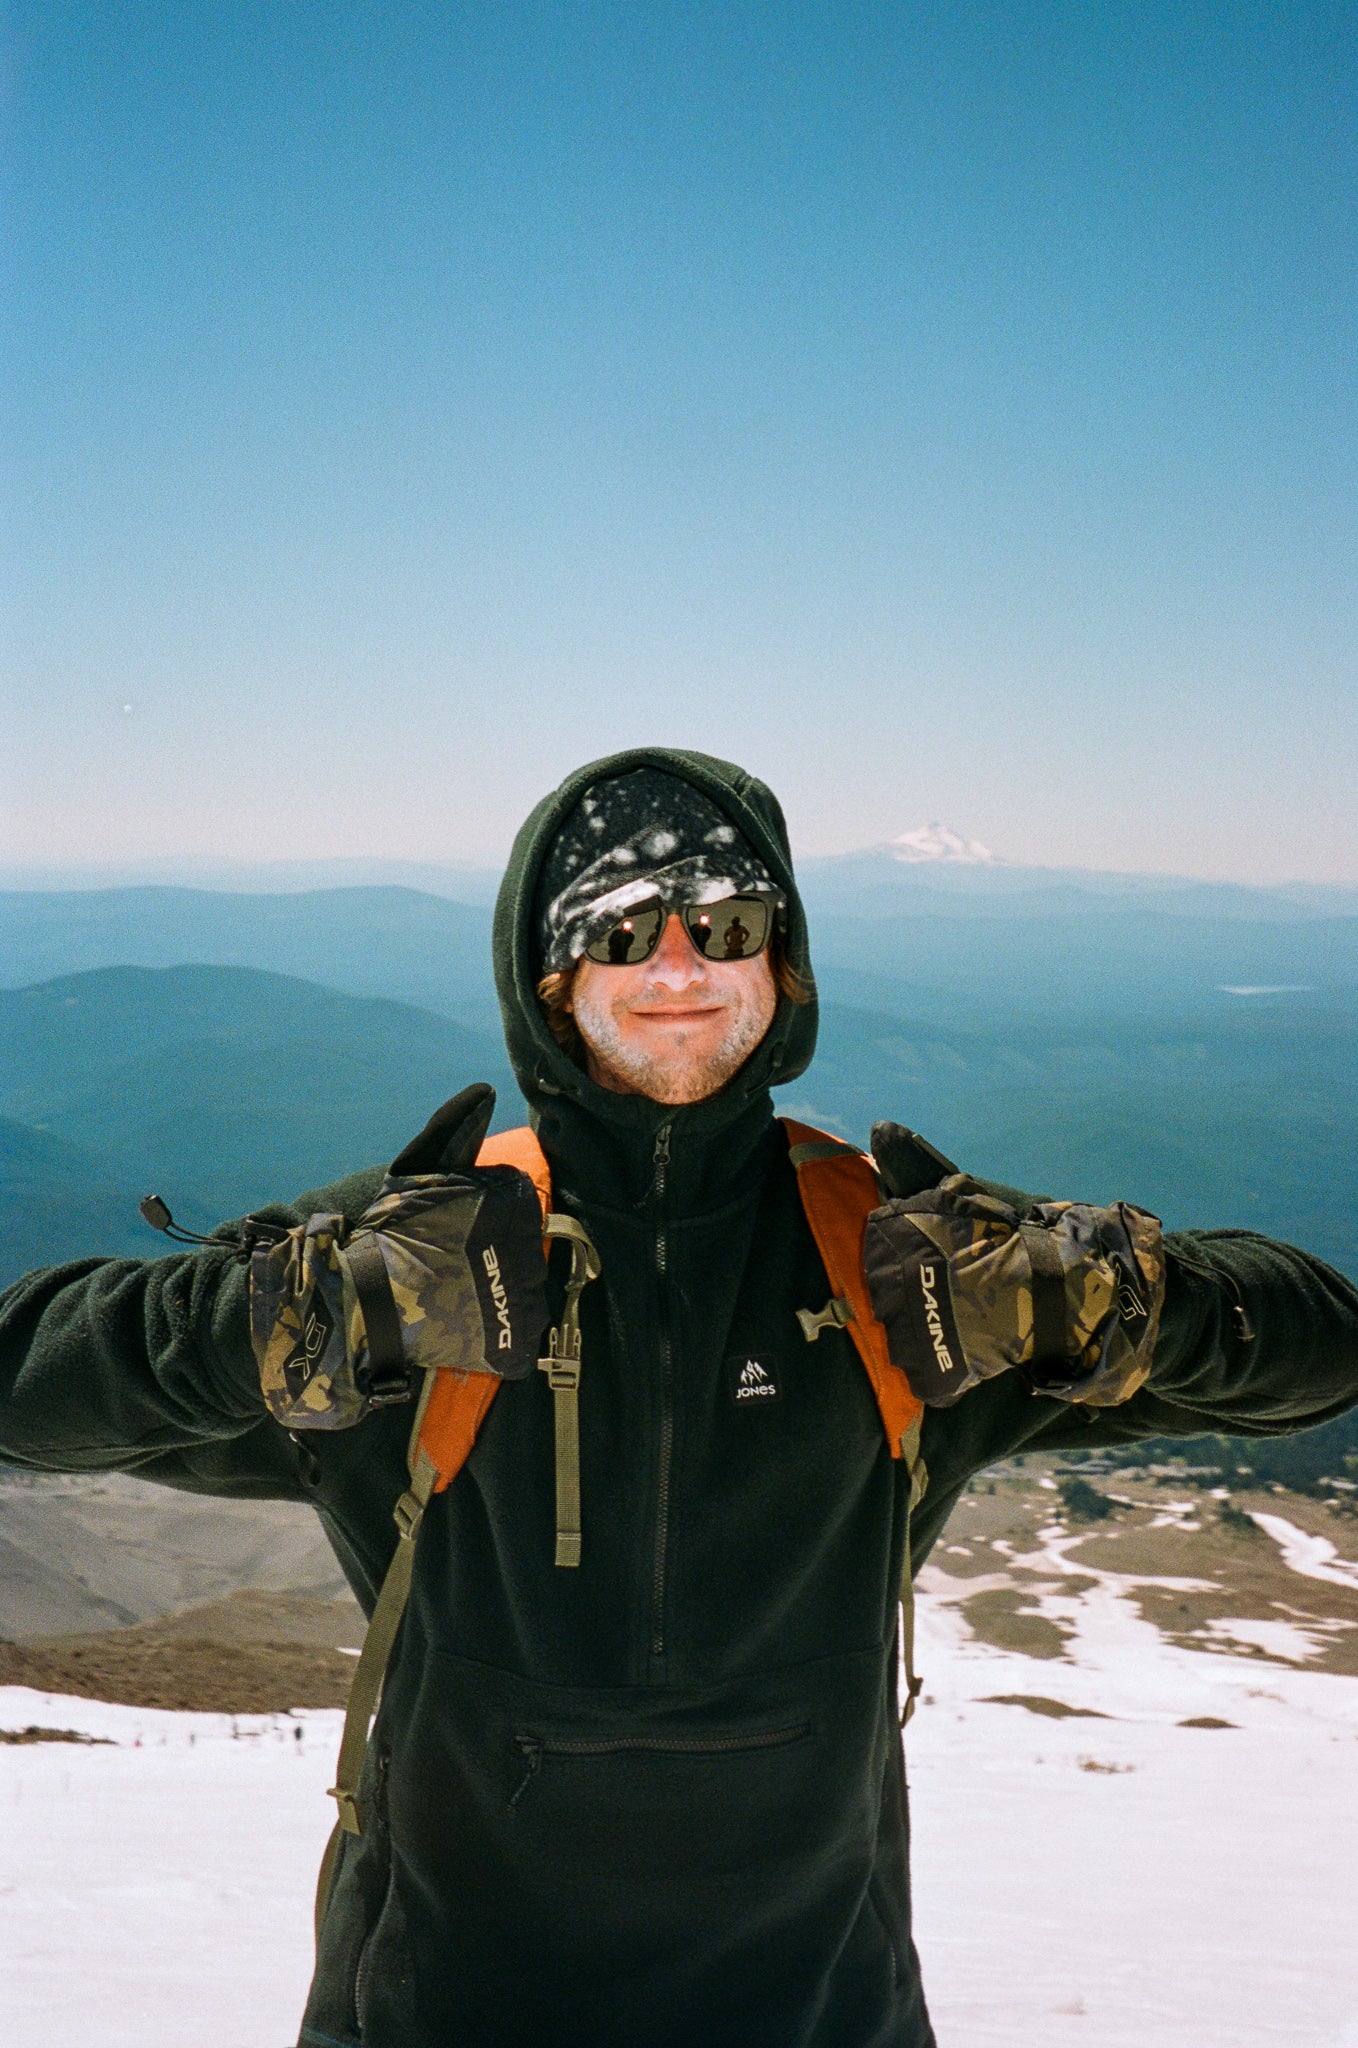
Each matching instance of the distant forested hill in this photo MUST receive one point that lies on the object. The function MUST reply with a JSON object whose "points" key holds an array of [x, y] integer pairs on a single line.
{"points": [[1244, 1116], [390, 942], [220, 1087]]}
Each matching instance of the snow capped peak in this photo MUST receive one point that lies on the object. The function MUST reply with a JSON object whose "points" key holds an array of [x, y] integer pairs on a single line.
{"points": [[939, 842]]}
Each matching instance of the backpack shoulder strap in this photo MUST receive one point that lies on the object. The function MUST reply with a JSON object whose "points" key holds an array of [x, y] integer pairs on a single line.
{"points": [[452, 1407], [456, 1404], [839, 1191]]}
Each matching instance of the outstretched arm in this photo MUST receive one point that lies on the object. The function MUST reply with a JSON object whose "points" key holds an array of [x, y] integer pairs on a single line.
{"points": [[117, 1362], [1257, 1339]]}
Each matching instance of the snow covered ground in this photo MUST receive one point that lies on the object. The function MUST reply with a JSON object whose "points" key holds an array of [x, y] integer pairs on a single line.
{"points": [[1133, 1882], [1120, 1882]]}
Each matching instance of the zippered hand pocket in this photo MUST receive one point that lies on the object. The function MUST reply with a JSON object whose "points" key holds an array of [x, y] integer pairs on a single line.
{"points": [[535, 1748]]}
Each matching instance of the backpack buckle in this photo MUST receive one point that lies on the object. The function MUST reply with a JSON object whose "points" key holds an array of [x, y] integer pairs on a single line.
{"points": [[833, 1316]]}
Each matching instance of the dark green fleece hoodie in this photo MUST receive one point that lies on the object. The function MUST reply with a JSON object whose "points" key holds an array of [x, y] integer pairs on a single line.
{"points": [[659, 1799]]}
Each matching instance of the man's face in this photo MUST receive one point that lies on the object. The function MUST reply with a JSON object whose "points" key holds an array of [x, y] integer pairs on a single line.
{"points": [[675, 1027]]}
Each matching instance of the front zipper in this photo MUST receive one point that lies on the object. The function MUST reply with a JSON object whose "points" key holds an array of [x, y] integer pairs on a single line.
{"points": [[535, 1747], [380, 1809], [662, 1505]]}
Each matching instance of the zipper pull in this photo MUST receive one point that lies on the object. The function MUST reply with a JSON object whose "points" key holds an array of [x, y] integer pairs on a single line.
{"points": [[660, 1158], [532, 1754]]}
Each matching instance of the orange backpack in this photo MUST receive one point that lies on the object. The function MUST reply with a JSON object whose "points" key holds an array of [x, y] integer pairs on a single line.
{"points": [[839, 1190]]}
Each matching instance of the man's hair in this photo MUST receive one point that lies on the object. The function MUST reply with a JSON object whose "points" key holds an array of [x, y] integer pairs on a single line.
{"points": [[554, 993]]}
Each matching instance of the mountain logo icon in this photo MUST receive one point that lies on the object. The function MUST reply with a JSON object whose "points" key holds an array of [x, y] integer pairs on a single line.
{"points": [[752, 1379]]}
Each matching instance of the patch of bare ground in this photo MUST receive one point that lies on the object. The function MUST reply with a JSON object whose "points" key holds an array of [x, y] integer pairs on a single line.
{"points": [[1248, 1600], [25, 1736], [1004, 1617], [252, 1653], [1038, 1703]]}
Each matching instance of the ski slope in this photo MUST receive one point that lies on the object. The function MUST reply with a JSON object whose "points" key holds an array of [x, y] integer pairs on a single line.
{"points": [[1119, 1882]]}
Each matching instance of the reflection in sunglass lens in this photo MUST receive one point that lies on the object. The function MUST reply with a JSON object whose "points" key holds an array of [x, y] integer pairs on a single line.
{"points": [[633, 938], [732, 930]]}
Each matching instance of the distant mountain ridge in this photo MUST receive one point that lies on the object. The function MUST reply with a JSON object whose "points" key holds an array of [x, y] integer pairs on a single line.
{"points": [[395, 942], [927, 856], [221, 1088], [885, 883]]}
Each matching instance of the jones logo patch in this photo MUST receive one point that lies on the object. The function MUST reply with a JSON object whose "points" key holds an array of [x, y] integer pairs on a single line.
{"points": [[753, 1381]]}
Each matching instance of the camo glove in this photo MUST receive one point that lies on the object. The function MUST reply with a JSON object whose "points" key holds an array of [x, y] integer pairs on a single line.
{"points": [[969, 1286], [444, 1269]]}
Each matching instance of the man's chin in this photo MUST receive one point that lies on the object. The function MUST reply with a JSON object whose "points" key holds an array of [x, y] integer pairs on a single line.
{"points": [[675, 1083]]}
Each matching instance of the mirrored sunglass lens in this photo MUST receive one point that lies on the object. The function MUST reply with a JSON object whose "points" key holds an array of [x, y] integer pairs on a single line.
{"points": [[630, 940], [733, 930]]}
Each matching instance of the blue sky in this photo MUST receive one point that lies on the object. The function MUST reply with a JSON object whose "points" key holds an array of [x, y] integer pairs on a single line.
{"points": [[945, 410]]}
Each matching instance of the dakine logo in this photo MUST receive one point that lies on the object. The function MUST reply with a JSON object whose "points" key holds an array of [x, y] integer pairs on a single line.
{"points": [[305, 1360], [933, 1320], [1130, 1305], [752, 1379], [499, 1297]]}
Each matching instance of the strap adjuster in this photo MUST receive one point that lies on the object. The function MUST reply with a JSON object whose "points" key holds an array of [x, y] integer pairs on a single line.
{"points": [[348, 1809], [407, 1514]]}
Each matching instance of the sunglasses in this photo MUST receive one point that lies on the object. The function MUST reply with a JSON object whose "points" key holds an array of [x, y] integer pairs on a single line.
{"points": [[735, 929]]}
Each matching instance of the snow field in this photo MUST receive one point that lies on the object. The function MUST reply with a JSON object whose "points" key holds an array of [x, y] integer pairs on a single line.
{"points": [[1117, 1883], [1129, 1882], [157, 1896]]}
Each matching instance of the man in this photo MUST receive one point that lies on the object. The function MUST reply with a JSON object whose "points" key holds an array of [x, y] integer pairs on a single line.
{"points": [[654, 1801]]}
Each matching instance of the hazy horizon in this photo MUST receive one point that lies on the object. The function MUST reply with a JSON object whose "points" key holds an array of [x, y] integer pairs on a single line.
{"points": [[294, 875]]}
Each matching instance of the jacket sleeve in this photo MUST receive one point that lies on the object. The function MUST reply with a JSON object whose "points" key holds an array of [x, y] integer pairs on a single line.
{"points": [[108, 1362], [1257, 1339], [112, 1363]]}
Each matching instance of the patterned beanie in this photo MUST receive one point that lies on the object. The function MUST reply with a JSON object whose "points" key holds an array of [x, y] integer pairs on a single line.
{"points": [[632, 839]]}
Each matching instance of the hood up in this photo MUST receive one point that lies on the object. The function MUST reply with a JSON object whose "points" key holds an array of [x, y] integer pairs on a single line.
{"points": [[544, 1071]]}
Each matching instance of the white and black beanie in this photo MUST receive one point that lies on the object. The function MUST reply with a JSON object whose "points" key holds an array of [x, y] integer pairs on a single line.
{"points": [[632, 839]]}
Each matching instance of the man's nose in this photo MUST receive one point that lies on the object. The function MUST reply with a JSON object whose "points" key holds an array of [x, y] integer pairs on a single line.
{"points": [[676, 961]]}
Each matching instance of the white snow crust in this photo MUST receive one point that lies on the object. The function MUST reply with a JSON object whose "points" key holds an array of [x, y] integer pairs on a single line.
{"points": [[939, 842], [1118, 1882]]}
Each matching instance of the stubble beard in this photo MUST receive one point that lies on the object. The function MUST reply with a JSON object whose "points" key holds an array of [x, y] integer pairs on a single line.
{"points": [[674, 1077]]}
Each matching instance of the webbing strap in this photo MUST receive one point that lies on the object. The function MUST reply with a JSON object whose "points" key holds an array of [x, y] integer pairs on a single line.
{"points": [[562, 1367], [919, 1480], [563, 1377], [388, 1373], [812, 1149], [366, 1686], [1049, 1301]]}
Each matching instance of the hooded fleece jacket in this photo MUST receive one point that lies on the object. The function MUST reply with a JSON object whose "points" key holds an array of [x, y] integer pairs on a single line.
{"points": [[658, 1800]]}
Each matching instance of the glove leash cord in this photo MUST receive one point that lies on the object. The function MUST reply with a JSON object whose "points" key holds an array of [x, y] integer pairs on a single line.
{"points": [[562, 1367]]}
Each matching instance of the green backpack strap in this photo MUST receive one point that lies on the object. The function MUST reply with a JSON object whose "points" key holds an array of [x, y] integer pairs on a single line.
{"points": [[919, 1480], [365, 1688], [451, 1408]]}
